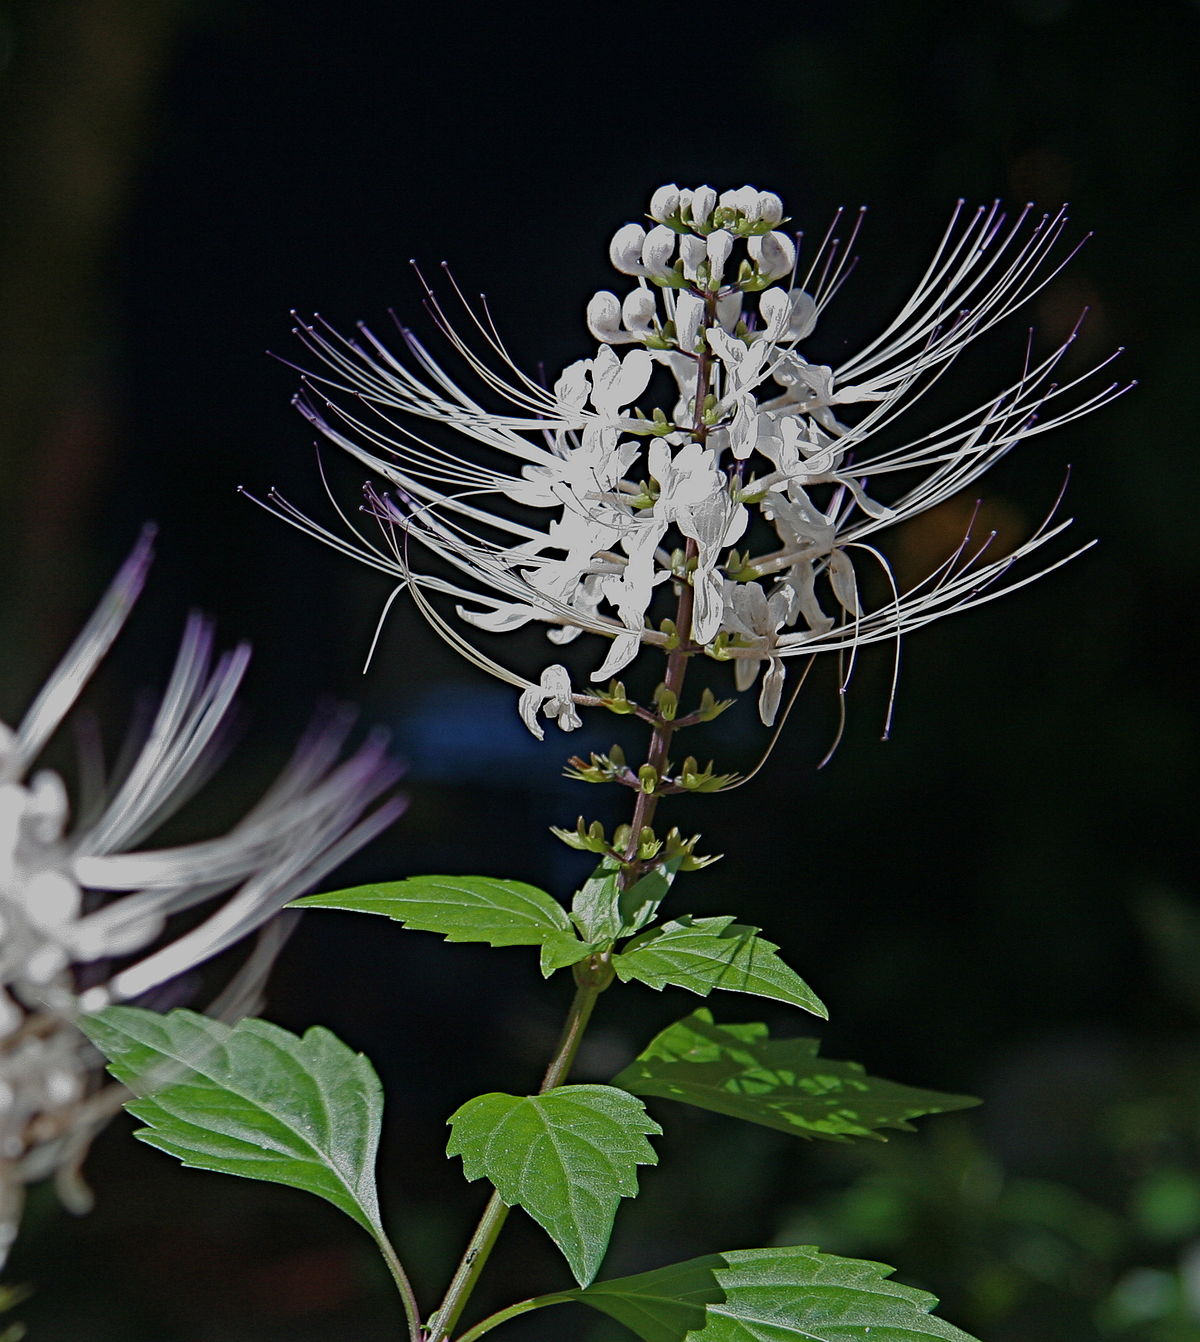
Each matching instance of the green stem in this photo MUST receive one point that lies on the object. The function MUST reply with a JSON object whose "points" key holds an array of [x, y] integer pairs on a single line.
{"points": [[503, 1315], [403, 1285], [592, 976]]}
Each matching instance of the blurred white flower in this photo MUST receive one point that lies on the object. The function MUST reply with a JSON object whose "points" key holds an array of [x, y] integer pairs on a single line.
{"points": [[87, 914], [805, 460]]}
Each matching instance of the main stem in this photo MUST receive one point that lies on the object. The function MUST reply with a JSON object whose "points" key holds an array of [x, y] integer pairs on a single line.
{"points": [[595, 973]]}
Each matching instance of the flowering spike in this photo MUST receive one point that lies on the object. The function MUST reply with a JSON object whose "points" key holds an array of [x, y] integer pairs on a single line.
{"points": [[587, 504]]}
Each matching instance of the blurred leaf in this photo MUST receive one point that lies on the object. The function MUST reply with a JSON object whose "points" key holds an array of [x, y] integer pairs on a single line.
{"points": [[567, 1156], [701, 954], [252, 1100], [780, 1083]]}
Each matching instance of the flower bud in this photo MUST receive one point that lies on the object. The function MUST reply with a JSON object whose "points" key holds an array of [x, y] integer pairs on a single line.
{"points": [[625, 250], [604, 316], [664, 203], [773, 253], [692, 252], [657, 250], [689, 310], [743, 200], [769, 209], [638, 311], [703, 200], [720, 244]]}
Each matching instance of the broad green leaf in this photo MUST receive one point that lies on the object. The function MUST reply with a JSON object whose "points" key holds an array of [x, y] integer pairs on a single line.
{"points": [[780, 1083], [792, 1294], [567, 1156], [251, 1099], [596, 910], [701, 954], [462, 908]]}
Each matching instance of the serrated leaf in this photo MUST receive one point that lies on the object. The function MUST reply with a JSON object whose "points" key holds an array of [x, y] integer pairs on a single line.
{"points": [[461, 908], [251, 1099], [595, 910], [794, 1294], [780, 1083], [567, 1156], [701, 954]]}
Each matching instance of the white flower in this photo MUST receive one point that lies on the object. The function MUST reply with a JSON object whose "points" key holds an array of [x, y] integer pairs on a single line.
{"points": [[553, 698], [759, 439], [88, 912]]}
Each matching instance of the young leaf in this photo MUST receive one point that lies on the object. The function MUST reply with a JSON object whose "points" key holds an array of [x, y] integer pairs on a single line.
{"points": [[567, 1156], [792, 1294], [640, 902], [701, 954], [462, 908], [596, 910], [563, 949], [780, 1083], [251, 1099]]}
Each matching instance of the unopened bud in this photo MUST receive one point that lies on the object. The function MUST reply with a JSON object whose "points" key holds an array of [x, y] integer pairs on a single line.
{"points": [[773, 253], [604, 317], [638, 311], [657, 251], [703, 201], [664, 203], [720, 244], [692, 252], [625, 250], [689, 312], [770, 208]]}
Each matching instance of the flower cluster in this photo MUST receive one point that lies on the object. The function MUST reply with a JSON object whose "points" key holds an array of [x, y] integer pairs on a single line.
{"points": [[87, 915], [698, 426]]}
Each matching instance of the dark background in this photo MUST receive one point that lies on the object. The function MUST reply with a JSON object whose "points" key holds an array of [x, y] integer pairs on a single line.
{"points": [[1000, 900]]}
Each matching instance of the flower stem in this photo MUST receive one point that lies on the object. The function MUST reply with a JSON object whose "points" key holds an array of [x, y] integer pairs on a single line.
{"points": [[592, 976]]}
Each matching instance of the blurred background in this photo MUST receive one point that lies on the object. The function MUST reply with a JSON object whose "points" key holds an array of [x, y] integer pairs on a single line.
{"points": [[999, 900]]}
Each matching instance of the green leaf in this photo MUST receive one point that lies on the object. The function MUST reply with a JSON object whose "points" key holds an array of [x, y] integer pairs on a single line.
{"points": [[567, 1156], [640, 902], [596, 908], [564, 949], [251, 1099], [462, 908], [780, 1083], [701, 954], [770, 1295], [602, 911]]}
